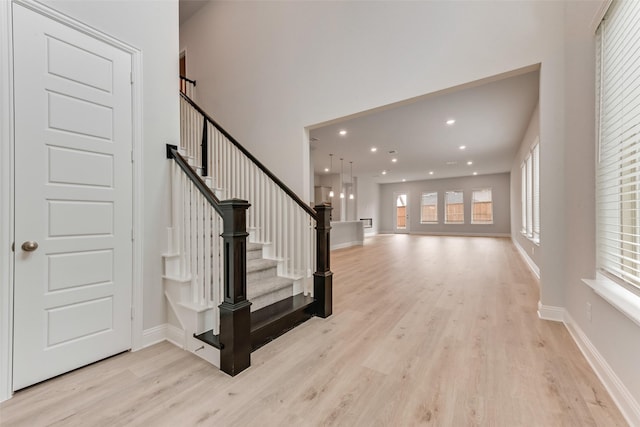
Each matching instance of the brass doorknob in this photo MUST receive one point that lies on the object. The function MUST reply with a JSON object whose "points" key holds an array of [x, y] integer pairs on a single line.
{"points": [[29, 246]]}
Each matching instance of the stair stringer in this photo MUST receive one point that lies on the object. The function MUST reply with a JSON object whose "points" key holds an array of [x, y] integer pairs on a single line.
{"points": [[193, 319]]}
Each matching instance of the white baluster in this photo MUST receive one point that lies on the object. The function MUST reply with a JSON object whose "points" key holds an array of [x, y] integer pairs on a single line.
{"points": [[208, 282]]}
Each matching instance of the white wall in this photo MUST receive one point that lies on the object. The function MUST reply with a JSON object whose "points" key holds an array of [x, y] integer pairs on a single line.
{"points": [[531, 136], [499, 183], [152, 27], [267, 70], [369, 203]]}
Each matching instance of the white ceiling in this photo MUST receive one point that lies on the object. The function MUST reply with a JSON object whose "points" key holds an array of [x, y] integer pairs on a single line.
{"points": [[187, 8], [491, 119]]}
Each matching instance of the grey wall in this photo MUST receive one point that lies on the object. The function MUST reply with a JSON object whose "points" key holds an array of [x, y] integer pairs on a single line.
{"points": [[532, 250], [499, 183]]}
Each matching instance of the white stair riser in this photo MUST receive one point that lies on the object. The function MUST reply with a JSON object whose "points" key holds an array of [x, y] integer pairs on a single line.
{"points": [[261, 274], [265, 300], [203, 350]]}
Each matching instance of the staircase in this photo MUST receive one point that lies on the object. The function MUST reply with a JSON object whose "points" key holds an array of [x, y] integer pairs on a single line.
{"points": [[242, 271]]}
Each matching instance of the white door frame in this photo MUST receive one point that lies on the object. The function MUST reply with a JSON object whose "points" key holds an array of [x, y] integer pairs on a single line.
{"points": [[395, 213], [7, 185]]}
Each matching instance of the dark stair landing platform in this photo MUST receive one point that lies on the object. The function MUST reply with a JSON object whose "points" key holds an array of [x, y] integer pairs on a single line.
{"points": [[271, 321]]}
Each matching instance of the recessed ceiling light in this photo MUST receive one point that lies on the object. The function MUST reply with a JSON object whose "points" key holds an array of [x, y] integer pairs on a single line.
{"points": [[463, 147], [374, 149], [430, 172], [451, 163], [451, 121], [343, 132], [394, 160], [384, 172], [326, 169], [404, 179], [475, 173], [469, 163]]}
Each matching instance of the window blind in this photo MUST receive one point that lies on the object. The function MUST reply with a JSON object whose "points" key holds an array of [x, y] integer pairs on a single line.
{"points": [[429, 208], [523, 195], [618, 169], [454, 207], [529, 196], [482, 206], [535, 156]]}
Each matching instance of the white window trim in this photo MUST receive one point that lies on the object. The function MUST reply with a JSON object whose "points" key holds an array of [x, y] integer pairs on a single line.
{"points": [[446, 221], [472, 203], [437, 221], [530, 182], [616, 294]]}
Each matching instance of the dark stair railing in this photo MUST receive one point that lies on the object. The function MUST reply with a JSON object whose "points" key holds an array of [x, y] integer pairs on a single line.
{"points": [[234, 340], [235, 317]]}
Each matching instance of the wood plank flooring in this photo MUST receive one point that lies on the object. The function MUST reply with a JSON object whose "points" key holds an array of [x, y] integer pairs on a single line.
{"points": [[438, 331]]}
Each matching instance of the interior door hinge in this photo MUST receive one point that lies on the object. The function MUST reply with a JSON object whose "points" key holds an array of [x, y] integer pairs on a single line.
{"points": [[132, 235], [132, 313], [131, 156], [131, 77], [13, 246]]}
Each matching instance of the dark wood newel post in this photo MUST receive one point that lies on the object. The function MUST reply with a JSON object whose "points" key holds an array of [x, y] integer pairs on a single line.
{"points": [[323, 277], [235, 314]]}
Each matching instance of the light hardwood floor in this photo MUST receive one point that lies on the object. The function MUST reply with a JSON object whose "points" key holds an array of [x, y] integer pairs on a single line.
{"points": [[425, 330]]}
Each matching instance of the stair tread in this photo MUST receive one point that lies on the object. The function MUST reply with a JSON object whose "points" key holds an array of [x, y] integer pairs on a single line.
{"points": [[259, 287], [278, 310], [271, 321], [254, 247], [209, 338], [260, 264]]}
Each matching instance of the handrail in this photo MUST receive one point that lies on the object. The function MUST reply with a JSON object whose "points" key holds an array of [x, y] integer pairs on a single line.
{"points": [[193, 82], [172, 153], [262, 167]]}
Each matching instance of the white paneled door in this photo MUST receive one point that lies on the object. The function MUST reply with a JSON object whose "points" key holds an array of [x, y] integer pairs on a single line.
{"points": [[73, 198]]}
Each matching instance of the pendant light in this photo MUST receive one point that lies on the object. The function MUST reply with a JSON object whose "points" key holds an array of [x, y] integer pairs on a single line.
{"points": [[351, 192], [330, 171], [341, 185]]}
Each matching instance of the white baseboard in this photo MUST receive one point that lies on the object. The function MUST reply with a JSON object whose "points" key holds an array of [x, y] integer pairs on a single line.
{"points": [[623, 399], [532, 265], [175, 335], [549, 312], [447, 233], [165, 332], [460, 234], [346, 245]]}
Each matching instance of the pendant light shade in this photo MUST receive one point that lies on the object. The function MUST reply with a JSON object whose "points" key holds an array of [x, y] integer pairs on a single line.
{"points": [[341, 183], [331, 194], [351, 197]]}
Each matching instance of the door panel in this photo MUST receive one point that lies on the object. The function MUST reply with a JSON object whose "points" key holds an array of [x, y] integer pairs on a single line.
{"points": [[73, 195]]}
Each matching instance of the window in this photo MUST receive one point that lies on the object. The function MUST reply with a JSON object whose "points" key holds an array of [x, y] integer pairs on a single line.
{"points": [[535, 156], [429, 208], [453, 207], [482, 207], [530, 187], [523, 196], [617, 180]]}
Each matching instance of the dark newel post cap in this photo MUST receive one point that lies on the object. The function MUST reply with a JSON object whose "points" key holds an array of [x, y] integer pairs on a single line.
{"points": [[235, 203]]}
